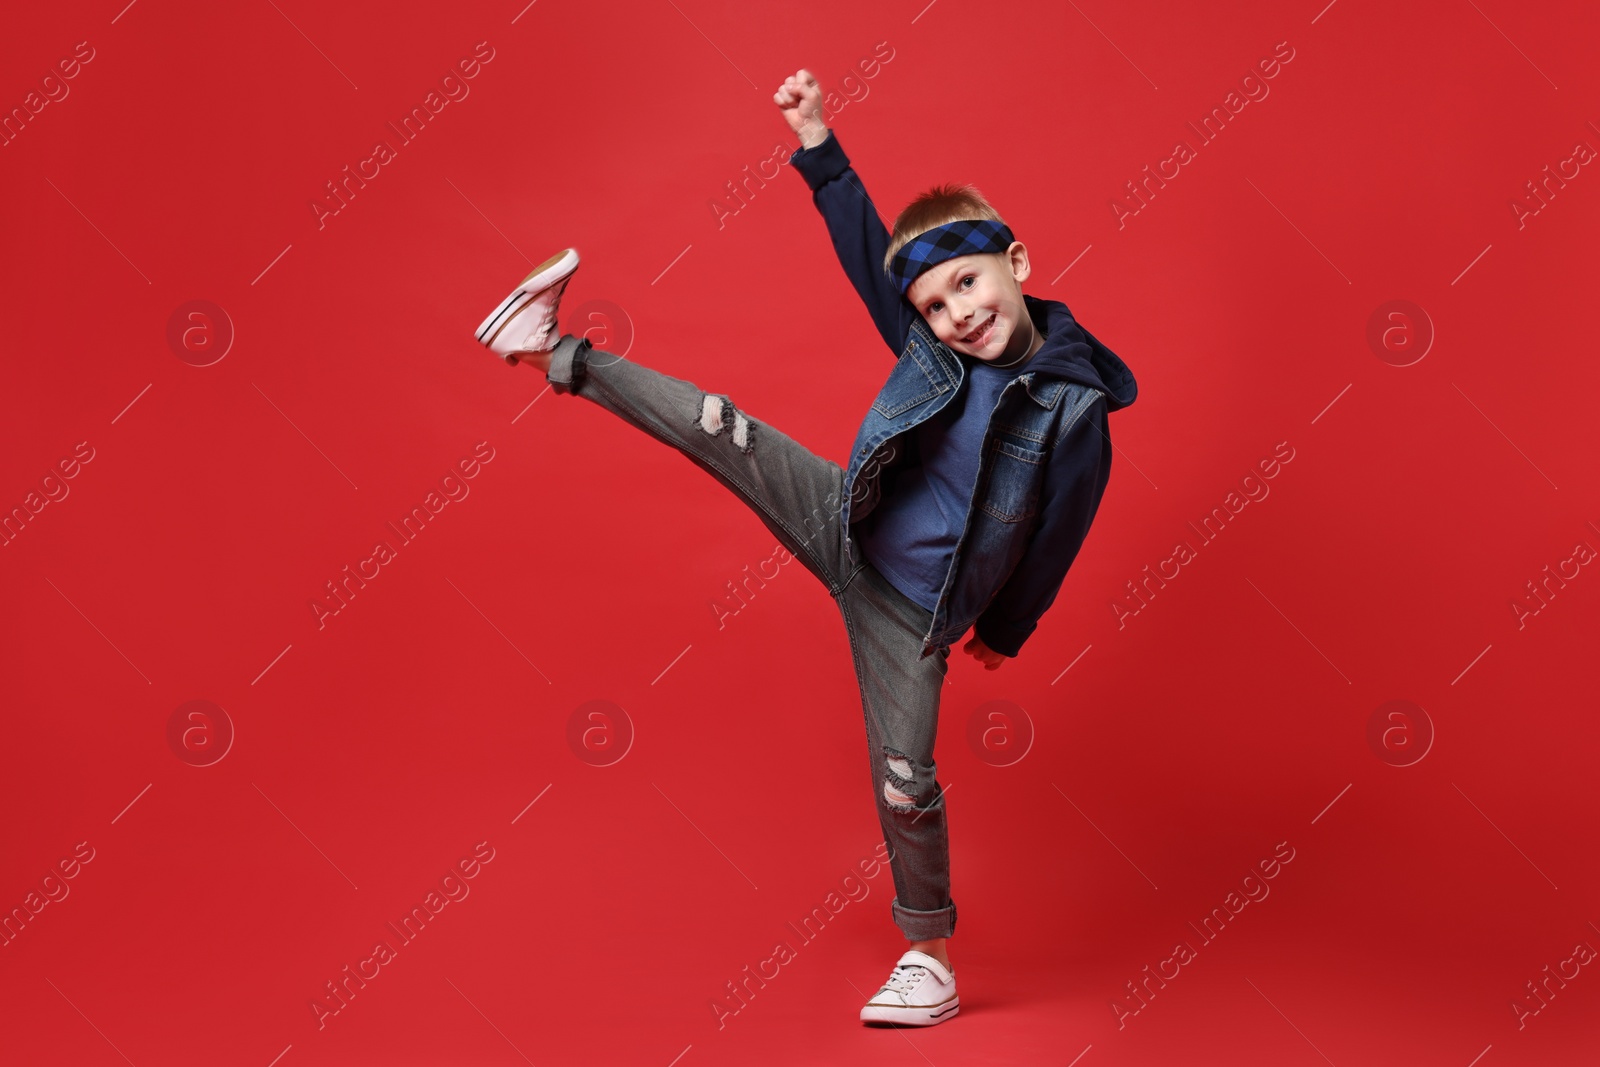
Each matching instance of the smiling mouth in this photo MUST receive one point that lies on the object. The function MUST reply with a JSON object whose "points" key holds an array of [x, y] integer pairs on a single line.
{"points": [[982, 333]]}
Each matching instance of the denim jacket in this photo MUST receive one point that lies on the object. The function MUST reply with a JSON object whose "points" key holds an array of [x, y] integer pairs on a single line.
{"points": [[1047, 452]]}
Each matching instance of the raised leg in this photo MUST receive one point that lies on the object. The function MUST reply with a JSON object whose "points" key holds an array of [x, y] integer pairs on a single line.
{"points": [[797, 494]]}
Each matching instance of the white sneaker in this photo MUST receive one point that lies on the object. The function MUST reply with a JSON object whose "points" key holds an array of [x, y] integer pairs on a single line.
{"points": [[920, 992], [525, 321]]}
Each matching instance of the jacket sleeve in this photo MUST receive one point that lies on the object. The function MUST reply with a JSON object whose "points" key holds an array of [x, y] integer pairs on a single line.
{"points": [[1074, 481], [859, 237]]}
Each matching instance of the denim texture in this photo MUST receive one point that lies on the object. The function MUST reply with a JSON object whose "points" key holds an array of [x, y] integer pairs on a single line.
{"points": [[800, 498], [1047, 458]]}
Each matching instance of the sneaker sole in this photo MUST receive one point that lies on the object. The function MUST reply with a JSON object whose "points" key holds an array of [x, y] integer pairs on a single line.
{"points": [[546, 274], [921, 1016]]}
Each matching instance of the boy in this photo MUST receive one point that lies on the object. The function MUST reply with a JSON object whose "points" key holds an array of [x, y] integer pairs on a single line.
{"points": [[971, 485]]}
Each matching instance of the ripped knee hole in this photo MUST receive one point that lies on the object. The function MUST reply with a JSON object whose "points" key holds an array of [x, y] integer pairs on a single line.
{"points": [[900, 771], [717, 413]]}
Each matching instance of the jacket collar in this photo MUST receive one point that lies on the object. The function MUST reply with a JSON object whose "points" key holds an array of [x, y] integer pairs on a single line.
{"points": [[1045, 390]]}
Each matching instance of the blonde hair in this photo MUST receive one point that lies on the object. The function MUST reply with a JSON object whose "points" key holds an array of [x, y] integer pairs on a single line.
{"points": [[938, 206]]}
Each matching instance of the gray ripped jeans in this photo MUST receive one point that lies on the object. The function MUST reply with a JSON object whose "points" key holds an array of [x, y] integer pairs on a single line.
{"points": [[799, 496]]}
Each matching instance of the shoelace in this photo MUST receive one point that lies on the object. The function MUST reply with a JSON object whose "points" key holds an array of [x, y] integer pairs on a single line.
{"points": [[904, 978], [541, 332], [547, 321]]}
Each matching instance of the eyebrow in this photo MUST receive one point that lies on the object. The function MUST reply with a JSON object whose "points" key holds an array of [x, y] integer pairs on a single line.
{"points": [[948, 279]]}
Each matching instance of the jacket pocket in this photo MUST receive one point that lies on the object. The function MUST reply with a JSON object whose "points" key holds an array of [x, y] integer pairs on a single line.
{"points": [[893, 405], [1015, 476]]}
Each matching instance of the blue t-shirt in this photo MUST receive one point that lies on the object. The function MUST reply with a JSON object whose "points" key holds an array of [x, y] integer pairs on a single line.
{"points": [[911, 535]]}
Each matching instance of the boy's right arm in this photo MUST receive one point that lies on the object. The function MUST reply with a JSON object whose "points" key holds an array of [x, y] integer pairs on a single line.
{"points": [[860, 238]]}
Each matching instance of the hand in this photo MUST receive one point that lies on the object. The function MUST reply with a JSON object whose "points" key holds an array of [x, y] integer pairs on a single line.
{"points": [[800, 100], [990, 659]]}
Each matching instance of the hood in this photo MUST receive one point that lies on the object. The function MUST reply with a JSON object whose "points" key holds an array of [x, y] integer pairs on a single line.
{"points": [[1071, 352]]}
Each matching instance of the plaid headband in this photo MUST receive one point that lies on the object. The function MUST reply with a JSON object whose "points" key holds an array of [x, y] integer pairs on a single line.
{"points": [[964, 237]]}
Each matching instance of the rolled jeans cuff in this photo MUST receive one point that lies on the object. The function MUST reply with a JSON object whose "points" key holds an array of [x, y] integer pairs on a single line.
{"points": [[924, 925], [567, 362]]}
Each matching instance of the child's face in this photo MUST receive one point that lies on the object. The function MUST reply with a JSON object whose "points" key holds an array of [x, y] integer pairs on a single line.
{"points": [[974, 303]]}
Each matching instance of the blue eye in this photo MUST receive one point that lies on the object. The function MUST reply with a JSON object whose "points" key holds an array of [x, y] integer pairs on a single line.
{"points": [[936, 305]]}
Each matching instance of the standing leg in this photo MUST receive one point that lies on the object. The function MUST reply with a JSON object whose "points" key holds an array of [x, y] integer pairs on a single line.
{"points": [[900, 694]]}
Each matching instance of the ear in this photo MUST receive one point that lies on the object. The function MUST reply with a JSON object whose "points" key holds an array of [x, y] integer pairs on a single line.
{"points": [[1017, 256]]}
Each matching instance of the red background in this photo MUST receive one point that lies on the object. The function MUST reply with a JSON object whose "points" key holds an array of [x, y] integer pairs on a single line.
{"points": [[372, 754]]}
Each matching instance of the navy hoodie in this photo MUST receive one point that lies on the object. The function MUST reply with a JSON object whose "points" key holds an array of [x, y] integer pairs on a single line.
{"points": [[911, 534]]}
